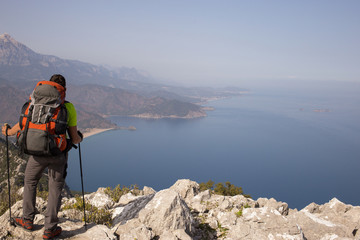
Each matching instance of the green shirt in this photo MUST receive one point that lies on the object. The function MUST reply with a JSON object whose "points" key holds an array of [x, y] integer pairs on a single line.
{"points": [[71, 121]]}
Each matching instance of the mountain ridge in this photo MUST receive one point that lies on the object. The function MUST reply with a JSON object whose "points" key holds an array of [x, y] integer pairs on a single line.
{"points": [[21, 67], [15, 55], [20, 63]]}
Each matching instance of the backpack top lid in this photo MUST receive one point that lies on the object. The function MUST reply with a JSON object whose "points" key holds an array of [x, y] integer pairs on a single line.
{"points": [[46, 91]]}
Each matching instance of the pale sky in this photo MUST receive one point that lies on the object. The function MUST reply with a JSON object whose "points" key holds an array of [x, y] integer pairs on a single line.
{"points": [[197, 41]]}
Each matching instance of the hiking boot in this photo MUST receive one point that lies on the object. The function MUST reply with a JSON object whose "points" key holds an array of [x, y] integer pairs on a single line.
{"points": [[50, 234], [24, 223]]}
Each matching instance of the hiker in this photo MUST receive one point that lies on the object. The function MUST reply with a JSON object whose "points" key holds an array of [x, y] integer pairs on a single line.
{"points": [[56, 161]]}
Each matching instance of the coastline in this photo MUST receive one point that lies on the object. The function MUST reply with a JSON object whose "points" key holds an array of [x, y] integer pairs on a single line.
{"points": [[93, 131], [191, 115]]}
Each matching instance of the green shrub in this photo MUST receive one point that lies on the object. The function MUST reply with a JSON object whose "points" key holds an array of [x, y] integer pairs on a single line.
{"points": [[100, 216], [78, 205], [239, 213], [227, 190], [206, 186], [118, 191], [93, 214]]}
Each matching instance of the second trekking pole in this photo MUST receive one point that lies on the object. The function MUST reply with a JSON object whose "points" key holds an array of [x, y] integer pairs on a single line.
{"points": [[8, 171], [82, 184]]}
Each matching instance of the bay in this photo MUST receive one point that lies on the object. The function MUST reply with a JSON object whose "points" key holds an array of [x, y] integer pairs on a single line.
{"points": [[297, 144]]}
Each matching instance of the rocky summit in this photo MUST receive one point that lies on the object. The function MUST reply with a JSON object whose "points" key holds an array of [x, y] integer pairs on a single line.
{"points": [[183, 212]]}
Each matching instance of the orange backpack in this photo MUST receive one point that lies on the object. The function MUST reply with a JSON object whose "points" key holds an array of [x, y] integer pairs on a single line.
{"points": [[43, 121]]}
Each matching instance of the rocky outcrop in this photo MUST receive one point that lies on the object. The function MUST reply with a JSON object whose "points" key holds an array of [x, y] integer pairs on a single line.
{"points": [[183, 212], [162, 214]]}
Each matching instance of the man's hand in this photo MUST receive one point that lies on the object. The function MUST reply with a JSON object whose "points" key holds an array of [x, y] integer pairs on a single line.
{"points": [[10, 130], [74, 135], [5, 128], [80, 135]]}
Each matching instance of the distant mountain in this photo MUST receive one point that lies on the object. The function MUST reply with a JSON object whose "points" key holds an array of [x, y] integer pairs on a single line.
{"points": [[21, 68], [20, 63], [97, 91]]}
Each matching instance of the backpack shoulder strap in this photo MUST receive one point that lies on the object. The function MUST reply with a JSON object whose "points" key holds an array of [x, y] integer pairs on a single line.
{"points": [[25, 130]]}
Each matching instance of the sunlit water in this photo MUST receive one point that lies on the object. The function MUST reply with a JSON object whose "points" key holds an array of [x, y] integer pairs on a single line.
{"points": [[271, 142]]}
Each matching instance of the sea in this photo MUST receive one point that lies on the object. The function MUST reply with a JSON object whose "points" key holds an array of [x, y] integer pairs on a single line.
{"points": [[298, 143]]}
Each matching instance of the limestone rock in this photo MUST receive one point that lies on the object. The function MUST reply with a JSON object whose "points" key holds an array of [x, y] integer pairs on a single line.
{"points": [[99, 199], [329, 221], [148, 190], [160, 212], [130, 211], [198, 202], [182, 212], [282, 207], [175, 235], [186, 188], [266, 222], [134, 229], [126, 198], [313, 208], [76, 230], [167, 210], [71, 229]]}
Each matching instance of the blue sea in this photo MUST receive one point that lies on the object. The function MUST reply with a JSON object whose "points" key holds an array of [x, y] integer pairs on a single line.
{"points": [[296, 143]]}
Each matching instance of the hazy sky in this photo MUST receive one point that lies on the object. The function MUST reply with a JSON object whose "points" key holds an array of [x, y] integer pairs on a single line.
{"points": [[197, 41]]}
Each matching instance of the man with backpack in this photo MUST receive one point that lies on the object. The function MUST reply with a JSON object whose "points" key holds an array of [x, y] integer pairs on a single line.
{"points": [[45, 121]]}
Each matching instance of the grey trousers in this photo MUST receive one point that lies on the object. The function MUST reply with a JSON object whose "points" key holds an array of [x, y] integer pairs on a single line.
{"points": [[56, 170]]}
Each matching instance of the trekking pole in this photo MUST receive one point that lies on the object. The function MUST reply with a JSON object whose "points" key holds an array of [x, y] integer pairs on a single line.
{"points": [[82, 184], [8, 172]]}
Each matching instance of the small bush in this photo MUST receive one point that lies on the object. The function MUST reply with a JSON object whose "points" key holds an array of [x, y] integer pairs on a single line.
{"points": [[227, 190], [239, 213], [206, 186], [118, 191], [93, 214], [100, 216]]}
